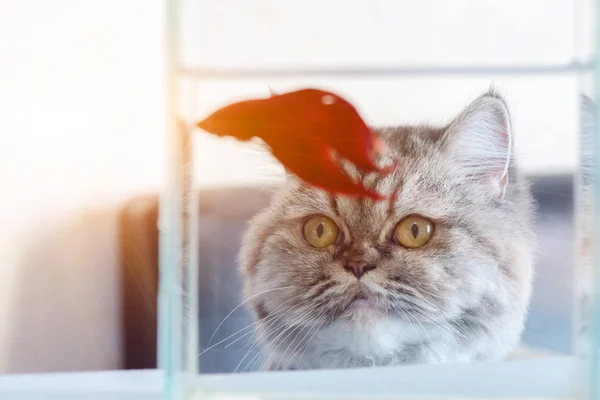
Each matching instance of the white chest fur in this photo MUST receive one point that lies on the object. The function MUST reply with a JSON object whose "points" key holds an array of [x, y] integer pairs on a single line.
{"points": [[363, 341], [367, 337]]}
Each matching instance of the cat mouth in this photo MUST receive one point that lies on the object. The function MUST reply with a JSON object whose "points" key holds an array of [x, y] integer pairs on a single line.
{"points": [[361, 302]]}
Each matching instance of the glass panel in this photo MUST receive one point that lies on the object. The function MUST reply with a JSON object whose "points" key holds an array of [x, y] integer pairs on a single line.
{"points": [[584, 271], [237, 34], [458, 299], [547, 151]]}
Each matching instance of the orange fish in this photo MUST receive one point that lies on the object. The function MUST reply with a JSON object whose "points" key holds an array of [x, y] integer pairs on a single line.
{"points": [[304, 129]]}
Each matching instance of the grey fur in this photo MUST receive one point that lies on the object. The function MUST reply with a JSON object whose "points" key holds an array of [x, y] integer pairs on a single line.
{"points": [[461, 297]]}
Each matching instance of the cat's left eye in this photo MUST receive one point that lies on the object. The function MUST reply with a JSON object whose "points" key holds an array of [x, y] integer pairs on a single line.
{"points": [[413, 232]]}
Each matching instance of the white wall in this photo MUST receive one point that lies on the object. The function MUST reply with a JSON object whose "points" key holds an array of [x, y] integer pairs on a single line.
{"points": [[239, 34], [82, 129]]}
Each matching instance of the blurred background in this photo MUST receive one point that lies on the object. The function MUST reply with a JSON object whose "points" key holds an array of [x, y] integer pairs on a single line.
{"points": [[82, 137]]}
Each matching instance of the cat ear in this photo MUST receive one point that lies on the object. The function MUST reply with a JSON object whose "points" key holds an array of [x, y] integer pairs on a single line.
{"points": [[480, 141]]}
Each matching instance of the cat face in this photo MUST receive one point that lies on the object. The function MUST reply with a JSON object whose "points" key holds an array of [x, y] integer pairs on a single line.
{"points": [[452, 247]]}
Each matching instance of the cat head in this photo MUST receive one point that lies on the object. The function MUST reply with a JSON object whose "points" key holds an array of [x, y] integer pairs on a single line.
{"points": [[453, 243]]}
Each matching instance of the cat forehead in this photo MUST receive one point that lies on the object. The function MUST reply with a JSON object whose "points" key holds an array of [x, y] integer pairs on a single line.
{"points": [[423, 167], [418, 192], [422, 176], [411, 139]]}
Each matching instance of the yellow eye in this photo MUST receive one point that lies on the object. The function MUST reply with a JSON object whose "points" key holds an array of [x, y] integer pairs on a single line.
{"points": [[320, 231], [414, 232]]}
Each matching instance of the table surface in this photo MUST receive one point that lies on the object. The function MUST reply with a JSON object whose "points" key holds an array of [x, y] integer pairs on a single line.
{"points": [[551, 377]]}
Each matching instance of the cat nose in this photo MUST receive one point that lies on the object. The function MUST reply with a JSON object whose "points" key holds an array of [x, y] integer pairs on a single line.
{"points": [[358, 267]]}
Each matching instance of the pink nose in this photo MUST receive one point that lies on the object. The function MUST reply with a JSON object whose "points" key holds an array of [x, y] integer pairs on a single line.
{"points": [[358, 267]]}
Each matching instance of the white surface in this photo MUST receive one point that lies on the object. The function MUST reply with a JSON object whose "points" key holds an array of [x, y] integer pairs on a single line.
{"points": [[100, 385], [540, 378], [544, 377], [80, 131]]}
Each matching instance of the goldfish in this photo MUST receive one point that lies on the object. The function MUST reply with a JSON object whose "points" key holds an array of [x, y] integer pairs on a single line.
{"points": [[307, 130]]}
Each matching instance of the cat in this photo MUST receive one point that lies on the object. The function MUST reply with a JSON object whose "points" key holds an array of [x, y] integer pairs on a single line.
{"points": [[442, 272]]}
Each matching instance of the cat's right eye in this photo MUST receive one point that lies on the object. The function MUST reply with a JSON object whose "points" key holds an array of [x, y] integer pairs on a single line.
{"points": [[320, 231]]}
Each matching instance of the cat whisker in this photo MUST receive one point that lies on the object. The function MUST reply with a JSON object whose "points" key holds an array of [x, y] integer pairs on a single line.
{"points": [[280, 332], [422, 290], [295, 324], [430, 341], [314, 333], [407, 317], [241, 330], [259, 322], [422, 328], [229, 337], [263, 353], [440, 323], [314, 318], [270, 322], [418, 307], [241, 304]]}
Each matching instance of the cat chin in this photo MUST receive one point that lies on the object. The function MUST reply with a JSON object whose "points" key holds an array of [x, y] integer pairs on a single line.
{"points": [[362, 314], [360, 337], [363, 305], [367, 330]]}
